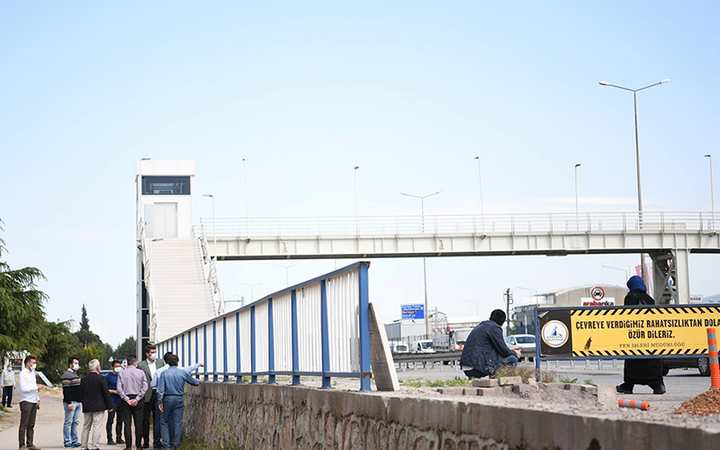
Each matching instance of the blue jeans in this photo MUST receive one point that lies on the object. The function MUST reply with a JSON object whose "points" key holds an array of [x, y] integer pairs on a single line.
{"points": [[70, 425], [164, 431], [173, 416]]}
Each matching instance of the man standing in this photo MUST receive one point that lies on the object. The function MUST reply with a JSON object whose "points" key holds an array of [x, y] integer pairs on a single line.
{"points": [[111, 379], [171, 389], [164, 432], [95, 400], [8, 384], [485, 349], [131, 387], [150, 366], [72, 396], [29, 404]]}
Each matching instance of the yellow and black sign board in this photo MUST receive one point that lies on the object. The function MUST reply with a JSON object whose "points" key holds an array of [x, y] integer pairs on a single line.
{"points": [[626, 331]]}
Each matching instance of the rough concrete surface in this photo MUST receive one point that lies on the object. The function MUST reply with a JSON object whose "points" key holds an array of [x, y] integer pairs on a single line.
{"points": [[284, 417]]}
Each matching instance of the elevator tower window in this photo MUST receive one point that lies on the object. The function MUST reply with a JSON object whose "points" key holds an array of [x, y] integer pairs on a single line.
{"points": [[160, 185]]}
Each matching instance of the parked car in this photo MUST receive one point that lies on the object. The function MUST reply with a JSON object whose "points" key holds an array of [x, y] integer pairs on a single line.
{"points": [[702, 364], [525, 342]]}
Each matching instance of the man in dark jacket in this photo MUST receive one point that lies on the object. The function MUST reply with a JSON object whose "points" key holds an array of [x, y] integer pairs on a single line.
{"points": [[95, 401], [72, 396], [485, 349], [114, 413], [641, 371]]}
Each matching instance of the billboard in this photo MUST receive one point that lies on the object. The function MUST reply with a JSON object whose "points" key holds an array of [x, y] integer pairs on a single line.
{"points": [[415, 311], [626, 331]]}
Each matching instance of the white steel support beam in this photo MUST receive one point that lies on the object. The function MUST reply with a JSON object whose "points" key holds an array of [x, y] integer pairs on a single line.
{"points": [[682, 275]]}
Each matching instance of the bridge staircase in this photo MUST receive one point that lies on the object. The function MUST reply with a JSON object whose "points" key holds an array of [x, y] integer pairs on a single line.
{"points": [[181, 281]]}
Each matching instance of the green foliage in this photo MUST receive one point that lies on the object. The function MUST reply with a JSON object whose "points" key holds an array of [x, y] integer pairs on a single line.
{"points": [[60, 344], [127, 349], [21, 307], [23, 325], [568, 380], [420, 382]]}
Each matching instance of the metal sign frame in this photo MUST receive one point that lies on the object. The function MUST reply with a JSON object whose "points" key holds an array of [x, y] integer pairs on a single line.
{"points": [[539, 357]]}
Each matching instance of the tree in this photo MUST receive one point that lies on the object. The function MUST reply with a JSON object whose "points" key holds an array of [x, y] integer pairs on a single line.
{"points": [[126, 349], [84, 335], [60, 345], [21, 307]]}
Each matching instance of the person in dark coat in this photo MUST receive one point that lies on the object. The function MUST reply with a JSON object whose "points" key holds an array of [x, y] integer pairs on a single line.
{"points": [[485, 349], [95, 401], [641, 371]]}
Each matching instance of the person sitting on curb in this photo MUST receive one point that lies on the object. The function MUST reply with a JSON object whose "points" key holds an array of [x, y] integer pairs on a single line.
{"points": [[485, 349]]}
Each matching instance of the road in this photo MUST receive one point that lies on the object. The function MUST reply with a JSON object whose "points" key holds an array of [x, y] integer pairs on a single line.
{"points": [[48, 426]]}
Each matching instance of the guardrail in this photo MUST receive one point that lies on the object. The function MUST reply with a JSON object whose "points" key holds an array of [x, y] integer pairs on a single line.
{"points": [[317, 328], [562, 222]]}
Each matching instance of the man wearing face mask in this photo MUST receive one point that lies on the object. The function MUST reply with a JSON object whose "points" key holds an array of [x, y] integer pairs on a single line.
{"points": [[115, 399], [72, 398], [29, 404], [150, 365]]}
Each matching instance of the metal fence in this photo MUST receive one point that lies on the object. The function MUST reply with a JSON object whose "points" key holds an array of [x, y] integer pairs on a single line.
{"points": [[317, 328], [562, 222]]}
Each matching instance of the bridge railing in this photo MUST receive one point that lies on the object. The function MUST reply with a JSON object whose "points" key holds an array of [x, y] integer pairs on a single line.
{"points": [[562, 222], [318, 328]]}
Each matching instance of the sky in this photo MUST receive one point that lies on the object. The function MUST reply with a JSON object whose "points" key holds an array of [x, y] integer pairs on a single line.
{"points": [[411, 92]]}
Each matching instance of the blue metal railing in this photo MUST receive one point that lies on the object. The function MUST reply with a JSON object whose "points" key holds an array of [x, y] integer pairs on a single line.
{"points": [[317, 328]]}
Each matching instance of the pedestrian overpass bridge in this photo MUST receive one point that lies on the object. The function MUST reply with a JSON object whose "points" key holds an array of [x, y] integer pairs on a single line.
{"points": [[170, 264]]}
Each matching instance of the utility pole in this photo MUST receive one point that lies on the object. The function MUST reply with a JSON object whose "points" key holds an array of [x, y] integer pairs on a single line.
{"points": [[508, 302]]}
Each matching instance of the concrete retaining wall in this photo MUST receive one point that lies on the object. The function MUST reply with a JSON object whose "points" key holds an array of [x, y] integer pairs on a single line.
{"points": [[263, 416]]}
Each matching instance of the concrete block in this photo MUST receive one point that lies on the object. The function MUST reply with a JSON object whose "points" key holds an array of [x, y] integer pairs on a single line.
{"points": [[607, 396], [485, 382], [451, 391], [490, 392], [507, 381], [589, 389]]}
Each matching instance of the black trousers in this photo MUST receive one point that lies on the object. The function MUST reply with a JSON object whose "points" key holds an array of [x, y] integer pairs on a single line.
{"points": [[151, 410], [26, 433], [7, 396], [112, 415], [130, 415]]}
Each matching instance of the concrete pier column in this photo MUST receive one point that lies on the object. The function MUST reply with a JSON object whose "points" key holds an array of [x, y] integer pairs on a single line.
{"points": [[681, 266]]}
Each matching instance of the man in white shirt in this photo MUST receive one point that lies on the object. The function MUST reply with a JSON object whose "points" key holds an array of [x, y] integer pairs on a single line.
{"points": [[29, 404], [8, 384]]}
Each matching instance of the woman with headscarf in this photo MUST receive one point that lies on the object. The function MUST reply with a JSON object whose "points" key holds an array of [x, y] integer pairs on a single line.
{"points": [[641, 371]]}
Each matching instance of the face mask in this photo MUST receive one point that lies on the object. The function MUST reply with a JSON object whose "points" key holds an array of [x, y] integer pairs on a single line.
{"points": [[118, 369], [76, 367], [33, 366], [152, 356]]}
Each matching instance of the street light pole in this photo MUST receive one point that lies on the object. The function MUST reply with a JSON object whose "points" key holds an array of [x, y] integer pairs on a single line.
{"points": [[212, 198], [637, 149], [577, 209], [422, 227], [355, 197], [246, 194], [712, 191], [480, 191]]}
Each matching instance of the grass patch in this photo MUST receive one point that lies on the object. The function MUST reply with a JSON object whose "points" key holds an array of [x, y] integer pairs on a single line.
{"points": [[525, 373], [589, 382], [420, 383], [568, 380]]}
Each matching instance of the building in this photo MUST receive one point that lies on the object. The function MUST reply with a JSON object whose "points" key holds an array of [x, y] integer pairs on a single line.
{"points": [[172, 287], [523, 316], [409, 330]]}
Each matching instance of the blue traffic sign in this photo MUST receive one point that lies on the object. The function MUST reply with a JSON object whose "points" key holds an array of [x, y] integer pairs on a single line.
{"points": [[412, 311]]}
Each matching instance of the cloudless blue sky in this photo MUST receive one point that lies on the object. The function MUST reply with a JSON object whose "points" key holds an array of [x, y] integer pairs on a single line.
{"points": [[409, 91]]}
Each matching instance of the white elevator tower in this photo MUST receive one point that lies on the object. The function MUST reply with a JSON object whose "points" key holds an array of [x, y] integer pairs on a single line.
{"points": [[172, 285]]}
